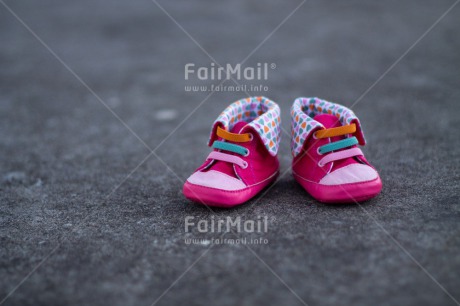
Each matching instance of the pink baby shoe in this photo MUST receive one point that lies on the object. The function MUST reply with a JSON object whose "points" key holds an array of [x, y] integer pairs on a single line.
{"points": [[245, 138], [327, 162]]}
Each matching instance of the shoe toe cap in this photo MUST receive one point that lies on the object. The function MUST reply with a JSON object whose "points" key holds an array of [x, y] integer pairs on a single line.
{"points": [[354, 173], [217, 180]]}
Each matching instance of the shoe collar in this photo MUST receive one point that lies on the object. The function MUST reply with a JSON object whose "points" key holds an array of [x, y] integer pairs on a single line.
{"points": [[262, 116], [303, 125]]}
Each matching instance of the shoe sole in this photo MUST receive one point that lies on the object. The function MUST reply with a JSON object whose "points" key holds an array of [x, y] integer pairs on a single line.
{"points": [[345, 193], [224, 198]]}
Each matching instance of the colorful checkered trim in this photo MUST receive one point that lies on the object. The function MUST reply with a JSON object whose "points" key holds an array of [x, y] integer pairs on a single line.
{"points": [[261, 114], [302, 124]]}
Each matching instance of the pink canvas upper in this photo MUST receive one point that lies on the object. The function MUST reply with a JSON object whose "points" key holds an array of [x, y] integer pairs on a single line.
{"points": [[260, 165], [227, 178], [340, 175], [307, 164]]}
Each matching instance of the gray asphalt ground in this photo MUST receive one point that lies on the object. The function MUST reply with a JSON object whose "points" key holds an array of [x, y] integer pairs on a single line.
{"points": [[79, 226]]}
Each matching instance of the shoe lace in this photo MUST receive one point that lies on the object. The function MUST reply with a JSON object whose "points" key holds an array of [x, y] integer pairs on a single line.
{"points": [[230, 147], [332, 149]]}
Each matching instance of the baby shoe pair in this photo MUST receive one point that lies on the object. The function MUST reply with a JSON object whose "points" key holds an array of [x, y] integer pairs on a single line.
{"points": [[245, 139]]}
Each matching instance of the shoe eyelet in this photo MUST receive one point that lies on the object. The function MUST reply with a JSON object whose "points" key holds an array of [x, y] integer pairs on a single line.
{"points": [[318, 152], [320, 164], [251, 137], [247, 153], [245, 165], [314, 136]]}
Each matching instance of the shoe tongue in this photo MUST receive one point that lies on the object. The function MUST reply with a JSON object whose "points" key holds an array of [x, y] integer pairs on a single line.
{"points": [[225, 167], [329, 121], [238, 127]]}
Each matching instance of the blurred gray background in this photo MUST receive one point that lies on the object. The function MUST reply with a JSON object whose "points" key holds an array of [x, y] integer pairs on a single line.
{"points": [[84, 222]]}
